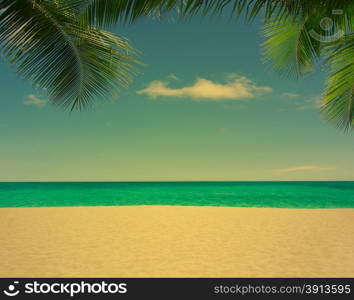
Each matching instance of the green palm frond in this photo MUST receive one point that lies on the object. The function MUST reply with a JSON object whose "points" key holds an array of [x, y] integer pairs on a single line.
{"points": [[46, 43], [108, 12], [294, 42], [338, 104], [293, 45], [289, 45]]}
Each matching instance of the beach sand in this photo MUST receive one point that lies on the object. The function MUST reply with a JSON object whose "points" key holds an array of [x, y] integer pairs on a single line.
{"points": [[168, 241]]}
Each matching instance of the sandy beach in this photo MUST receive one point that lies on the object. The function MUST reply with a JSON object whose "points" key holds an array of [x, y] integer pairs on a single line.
{"points": [[167, 241]]}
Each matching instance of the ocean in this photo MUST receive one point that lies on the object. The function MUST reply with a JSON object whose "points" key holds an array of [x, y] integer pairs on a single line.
{"points": [[235, 194]]}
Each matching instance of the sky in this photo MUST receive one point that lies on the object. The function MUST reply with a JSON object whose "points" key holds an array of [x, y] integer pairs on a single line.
{"points": [[205, 107]]}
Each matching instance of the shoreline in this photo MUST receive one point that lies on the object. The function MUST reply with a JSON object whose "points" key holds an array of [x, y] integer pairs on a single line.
{"points": [[176, 241], [178, 205]]}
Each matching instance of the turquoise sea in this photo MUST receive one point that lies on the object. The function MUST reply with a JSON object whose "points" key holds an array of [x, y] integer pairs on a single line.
{"points": [[242, 194]]}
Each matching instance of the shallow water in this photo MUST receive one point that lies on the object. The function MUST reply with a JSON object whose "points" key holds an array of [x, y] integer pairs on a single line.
{"points": [[240, 194]]}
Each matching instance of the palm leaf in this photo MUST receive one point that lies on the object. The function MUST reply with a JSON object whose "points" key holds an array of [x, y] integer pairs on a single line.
{"points": [[338, 104], [289, 46], [295, 39], [48, 46], [108, 12]]}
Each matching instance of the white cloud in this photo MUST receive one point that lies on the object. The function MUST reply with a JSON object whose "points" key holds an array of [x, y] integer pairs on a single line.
{"points": [[34, 100], [304, 168], [290, 95], [236, 87]]}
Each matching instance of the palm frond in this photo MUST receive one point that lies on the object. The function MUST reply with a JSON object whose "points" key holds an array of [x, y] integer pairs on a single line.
{"points": [[48, 46], [108, 12], [338, 103], [294, 42], [289, 46]]}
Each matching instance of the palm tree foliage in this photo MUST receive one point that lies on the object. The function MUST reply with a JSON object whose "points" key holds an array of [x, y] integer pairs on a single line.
{"points": [[324, 34], [108, 12], [59, 45], [295, 31], [73, 62], [338, 102]]}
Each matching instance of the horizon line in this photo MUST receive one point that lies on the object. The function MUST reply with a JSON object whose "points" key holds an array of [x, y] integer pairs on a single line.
{"points": [[166, 181]]}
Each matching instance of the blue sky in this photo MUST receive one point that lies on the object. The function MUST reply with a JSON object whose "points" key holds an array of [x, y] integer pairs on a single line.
{"points": [[204, 107]]}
